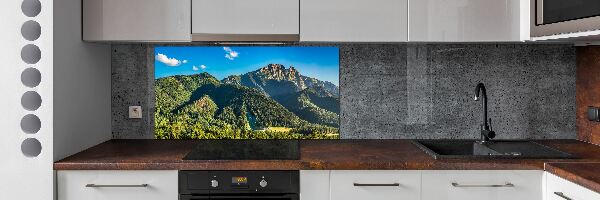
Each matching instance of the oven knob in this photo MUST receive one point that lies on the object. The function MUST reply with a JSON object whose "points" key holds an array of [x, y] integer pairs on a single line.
{"points": [[214, 183], [263, 183]]}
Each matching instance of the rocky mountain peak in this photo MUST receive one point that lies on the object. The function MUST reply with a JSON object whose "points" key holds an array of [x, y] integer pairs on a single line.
{"points": [[276, 80], [279, 72], [272, 68]]}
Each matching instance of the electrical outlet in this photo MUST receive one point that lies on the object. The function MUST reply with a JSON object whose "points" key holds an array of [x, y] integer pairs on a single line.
{"points": [[593, 114], [135, 112]]}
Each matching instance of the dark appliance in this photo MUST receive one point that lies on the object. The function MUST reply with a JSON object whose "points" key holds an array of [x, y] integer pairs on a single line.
{"points": [[551, 17], [245, 150], [237, 185]]}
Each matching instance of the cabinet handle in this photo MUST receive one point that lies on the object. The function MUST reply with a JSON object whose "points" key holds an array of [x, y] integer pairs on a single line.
{"points": [[115, 186], [560, 194], [376, 184], [492, 185]]}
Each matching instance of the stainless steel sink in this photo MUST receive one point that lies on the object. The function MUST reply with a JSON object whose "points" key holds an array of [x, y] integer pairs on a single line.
{"points": [[495, 149]]}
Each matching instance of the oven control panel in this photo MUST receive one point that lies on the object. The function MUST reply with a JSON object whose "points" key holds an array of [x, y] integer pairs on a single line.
{"points": [[239, 182], [229, 182]]}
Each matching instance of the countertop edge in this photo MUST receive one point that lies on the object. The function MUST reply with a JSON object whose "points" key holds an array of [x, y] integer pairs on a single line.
{"points": [[291, 165], [572, 176]]}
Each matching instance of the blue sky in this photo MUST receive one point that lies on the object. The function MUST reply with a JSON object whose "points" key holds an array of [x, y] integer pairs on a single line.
{"points": [[317, 62]]}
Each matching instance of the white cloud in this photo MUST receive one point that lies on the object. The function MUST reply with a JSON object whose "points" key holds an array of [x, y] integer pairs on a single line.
{"points": [[230, 53], [196, 68], [169, 61]]}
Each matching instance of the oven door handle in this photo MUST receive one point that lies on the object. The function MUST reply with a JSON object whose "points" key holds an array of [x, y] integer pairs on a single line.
{"points": [[192, 197], [249, 197]]}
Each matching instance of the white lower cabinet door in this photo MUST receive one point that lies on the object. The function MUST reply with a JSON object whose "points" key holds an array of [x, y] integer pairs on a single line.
{"points": [[117, 185], [375, 185], [482, 185], [560, 189], [314, 184]]}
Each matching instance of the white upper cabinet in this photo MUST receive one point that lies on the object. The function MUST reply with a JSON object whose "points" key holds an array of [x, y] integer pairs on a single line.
{"points": [[468, 20], [136, 20], [353, 20], [245, 20], [307, 20]]}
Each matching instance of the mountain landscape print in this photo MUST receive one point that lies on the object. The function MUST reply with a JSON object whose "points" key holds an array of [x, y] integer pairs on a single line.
{"points": [[246, 92]]}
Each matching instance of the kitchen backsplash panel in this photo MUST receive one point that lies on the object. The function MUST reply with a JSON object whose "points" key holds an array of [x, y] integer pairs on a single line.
{"points": [[246, 92], [408, 90]]}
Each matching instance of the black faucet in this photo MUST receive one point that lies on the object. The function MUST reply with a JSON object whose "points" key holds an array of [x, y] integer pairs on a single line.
{"points": [[486, 129]]}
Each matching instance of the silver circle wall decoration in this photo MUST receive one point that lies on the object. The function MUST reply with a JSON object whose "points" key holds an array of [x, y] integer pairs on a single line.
{"points": [[31, 54], [31, 100], [31, 147], [31, 8], [31, 30], [31, 77], [31, 124]]}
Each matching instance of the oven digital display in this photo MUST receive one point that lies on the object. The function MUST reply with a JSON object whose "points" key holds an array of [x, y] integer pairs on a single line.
{"points": [[239, 180]]}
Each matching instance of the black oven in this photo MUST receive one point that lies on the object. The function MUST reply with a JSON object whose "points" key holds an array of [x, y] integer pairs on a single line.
{"points": [[239, 197], [234, 185]]}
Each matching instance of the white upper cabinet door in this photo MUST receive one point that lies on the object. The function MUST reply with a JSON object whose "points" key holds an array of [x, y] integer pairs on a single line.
{"points": [[375, 185], [482, 185], [136, 20], [220, 18], [354, 20], [468, 20]]}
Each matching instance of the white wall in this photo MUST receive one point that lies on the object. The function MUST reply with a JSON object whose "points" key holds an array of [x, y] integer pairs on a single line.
{"points": [[79, 75], [24, 177], [82, 89]]}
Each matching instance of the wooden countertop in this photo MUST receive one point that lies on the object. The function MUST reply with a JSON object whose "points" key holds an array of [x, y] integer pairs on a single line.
{"points": [[331, 155], [314, 154]]}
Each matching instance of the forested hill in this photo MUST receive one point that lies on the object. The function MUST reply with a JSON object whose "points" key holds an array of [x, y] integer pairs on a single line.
{"points": [[200, 106]]}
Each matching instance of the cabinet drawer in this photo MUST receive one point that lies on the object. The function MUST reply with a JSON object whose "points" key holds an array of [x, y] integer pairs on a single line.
{"points": [[116, 185], [482, 184], [375, 185], [566, 190]]}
